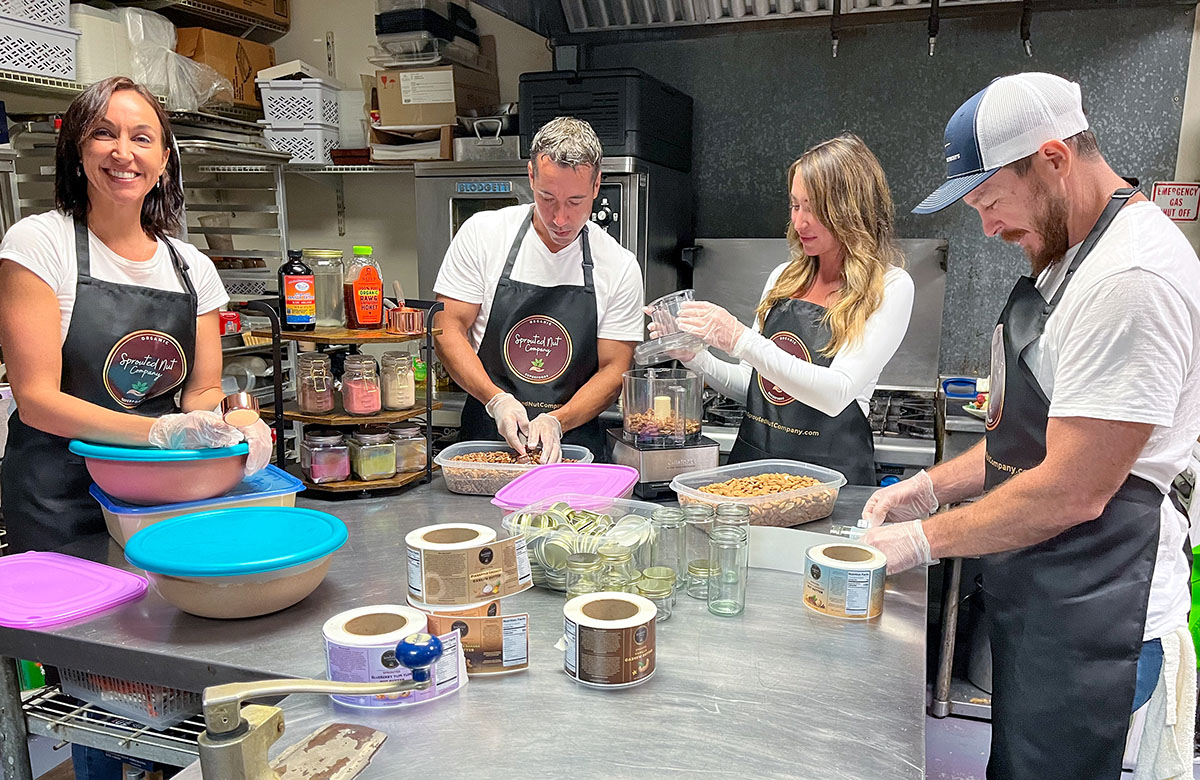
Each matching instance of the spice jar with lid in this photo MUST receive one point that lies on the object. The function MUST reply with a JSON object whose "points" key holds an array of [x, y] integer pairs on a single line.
{"points": [[661, 593], [398, 383], [372, 454], [617, 573], [583, 574], [666, 574], [411, 451], [314, 383], [324, 456], [698, 574], [360, 386]]}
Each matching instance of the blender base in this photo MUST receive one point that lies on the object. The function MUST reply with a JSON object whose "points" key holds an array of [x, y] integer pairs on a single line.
{"points": [[657, 466]]}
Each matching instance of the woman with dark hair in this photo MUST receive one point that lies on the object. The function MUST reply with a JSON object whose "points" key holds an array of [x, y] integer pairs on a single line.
{"points": [[106, 318]]}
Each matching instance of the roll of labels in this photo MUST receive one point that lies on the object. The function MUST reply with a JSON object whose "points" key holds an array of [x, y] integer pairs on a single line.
{"points": [[457, 575], [844, 579]]}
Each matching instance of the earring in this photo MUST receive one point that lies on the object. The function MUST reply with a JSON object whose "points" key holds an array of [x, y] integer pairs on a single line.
{"points": [[78, 169]]}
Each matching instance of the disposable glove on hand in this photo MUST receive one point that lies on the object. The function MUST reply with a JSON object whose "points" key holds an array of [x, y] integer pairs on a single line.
{"points": [[193, 431], [715, 326], [683, 355], [909, 499], [904, 544], [258, 436], [545, 431], [512, 421]]}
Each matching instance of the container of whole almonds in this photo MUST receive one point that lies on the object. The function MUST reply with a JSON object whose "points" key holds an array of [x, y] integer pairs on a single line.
{"points": [[778, 492], [480, 468]]}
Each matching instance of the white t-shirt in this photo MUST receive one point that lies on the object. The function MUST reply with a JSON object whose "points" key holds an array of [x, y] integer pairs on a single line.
{"points": [[45, 244], [475, 260], [1124, 344], [850, 377]]}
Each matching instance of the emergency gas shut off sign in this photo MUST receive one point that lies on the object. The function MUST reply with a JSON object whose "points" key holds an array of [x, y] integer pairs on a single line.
{"points": [[1179, 200]]}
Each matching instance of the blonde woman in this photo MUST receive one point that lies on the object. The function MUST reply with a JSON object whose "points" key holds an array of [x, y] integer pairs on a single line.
{"points": [[829, 319]]}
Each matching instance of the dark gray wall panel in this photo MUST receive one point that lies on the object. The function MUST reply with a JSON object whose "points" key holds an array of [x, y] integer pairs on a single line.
{"points": [[761, 99]]}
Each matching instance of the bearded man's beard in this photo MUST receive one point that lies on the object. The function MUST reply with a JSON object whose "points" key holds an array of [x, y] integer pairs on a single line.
{"points": [[1050, 225]]}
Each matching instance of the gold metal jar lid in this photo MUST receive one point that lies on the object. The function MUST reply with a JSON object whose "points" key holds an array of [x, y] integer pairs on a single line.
{"points": [[702, 568], [322, 253], [654, 588], [659, 573], [615, 553], [583, 562]]}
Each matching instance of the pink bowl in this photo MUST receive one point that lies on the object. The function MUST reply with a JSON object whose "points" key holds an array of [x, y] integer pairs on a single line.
{"points": [[151, 483]]}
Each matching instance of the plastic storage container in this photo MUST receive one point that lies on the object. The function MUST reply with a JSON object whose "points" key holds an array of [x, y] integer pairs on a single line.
{"points": [[288, 101], [152, 477], [38, 49], [484, 479], [54, 13], [306, 142], [151, 705], [791, 507], [562, 525], [270, 487], [589, 479]]}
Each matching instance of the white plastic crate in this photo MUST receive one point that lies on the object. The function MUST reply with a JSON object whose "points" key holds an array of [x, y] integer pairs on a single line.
{"points": [[52, 12], [150, 705], [38, 49], [288, 101], [307, 142], [249, 282]]}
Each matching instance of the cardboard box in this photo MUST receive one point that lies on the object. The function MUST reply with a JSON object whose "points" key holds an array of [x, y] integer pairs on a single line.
{"points": [[404, 148], [277, 11], [432, 96], [236, 59]]}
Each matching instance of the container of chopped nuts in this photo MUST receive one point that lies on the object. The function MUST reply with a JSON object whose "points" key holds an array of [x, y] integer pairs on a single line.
{"points": [[778, 492], [480, 468]]}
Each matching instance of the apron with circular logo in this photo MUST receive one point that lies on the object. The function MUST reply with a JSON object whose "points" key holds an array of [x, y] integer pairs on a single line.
{"points": [[778, 426], [539, 345], [129, 349]]}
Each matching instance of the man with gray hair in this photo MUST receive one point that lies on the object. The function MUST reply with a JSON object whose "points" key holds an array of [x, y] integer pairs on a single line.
{"points": [[540, 325]]}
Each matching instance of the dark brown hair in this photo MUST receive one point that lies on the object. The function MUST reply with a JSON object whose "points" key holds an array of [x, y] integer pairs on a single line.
{"points": [[162, 210], [1082, 143]]}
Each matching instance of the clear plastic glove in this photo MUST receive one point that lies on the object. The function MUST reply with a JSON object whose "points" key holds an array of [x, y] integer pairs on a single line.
{"points": [[682, 355], [192, 431], [712, 324], [258, 436], [512, 421], [909, 499], [904, 544], [545, 432]]}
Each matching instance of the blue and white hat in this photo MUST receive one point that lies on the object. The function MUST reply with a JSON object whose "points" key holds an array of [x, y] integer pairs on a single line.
{"points": [[1007, 120]]}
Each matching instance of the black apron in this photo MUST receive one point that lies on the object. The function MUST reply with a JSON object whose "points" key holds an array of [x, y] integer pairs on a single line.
{"points": [[128, 348], [539, 345], [778, 426], [1067, 614]]}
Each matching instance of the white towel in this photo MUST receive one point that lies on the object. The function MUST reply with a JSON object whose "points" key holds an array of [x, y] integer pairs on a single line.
{"points": [[1166, 746]]}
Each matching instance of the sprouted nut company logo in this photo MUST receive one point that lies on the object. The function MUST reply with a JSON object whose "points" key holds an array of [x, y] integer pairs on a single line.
{"points": [[143, 365], [793, 345], [538, 349]]}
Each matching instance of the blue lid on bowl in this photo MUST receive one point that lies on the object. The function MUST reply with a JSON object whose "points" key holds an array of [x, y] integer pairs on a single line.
{"points": [[270, 482], [147, 454], [241, 540]]}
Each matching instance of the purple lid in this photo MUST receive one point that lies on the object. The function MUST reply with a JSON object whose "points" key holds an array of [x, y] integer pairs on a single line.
{"points": [[41, 589], [591, 479]]}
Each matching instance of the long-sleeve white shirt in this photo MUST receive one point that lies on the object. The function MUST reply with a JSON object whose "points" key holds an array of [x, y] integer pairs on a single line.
{"points": [[851, 376]]}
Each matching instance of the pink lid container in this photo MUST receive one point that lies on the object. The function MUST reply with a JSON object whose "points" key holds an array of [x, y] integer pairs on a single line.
{"points": [[41, 589], [590, 479]]}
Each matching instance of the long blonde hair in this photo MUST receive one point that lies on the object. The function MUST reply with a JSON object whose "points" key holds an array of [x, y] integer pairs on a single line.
{"points": [[848, 194]]}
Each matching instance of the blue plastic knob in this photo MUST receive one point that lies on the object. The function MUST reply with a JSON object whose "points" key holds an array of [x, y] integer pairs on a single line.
{"points": [[419, 652], [890, 479]]}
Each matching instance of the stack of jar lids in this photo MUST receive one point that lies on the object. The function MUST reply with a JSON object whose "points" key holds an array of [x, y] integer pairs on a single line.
{"points": [[555, 534]]}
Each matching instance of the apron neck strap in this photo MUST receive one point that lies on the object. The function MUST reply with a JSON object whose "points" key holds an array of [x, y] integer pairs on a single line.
{"points": [[181, 267], [83, 257], [1111, 209], [515, 250]]}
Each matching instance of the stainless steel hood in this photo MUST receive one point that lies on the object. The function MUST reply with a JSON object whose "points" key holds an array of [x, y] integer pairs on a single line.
{"points": [[732, 271]]}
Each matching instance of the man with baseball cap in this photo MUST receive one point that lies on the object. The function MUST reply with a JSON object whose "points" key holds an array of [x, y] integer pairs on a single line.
{"points": [[1094, 407]]}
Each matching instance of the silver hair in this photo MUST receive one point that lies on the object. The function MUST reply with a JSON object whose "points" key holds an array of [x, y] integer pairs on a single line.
{"points": [[566, 140]]}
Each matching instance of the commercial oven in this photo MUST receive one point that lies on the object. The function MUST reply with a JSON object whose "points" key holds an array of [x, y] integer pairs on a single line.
{"points": [[646, 207]]}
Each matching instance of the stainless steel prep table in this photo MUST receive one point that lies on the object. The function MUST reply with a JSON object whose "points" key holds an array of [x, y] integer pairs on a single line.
{"points": [[779, 692]]}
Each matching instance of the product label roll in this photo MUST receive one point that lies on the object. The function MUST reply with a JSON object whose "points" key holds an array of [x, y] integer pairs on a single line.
{"points": [[462, 563], [492, 642], [844, 580], [610, 639]]}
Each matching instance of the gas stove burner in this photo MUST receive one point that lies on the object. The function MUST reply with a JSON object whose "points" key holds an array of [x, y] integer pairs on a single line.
{"points": [[723, 411], [894, 413], [917, 429]]}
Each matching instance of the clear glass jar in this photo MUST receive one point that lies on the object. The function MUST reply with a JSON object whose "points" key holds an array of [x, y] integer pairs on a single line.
{"points": [[314, 383], [699, 519], [360, 386], [733, 514], [667, 575], [397, 382], [661, 592], [412, 452], [326, 265], [669, 548], [583, 574], [617, 573], [698, 573], [372, 454], [730, 554], [324, 456]]}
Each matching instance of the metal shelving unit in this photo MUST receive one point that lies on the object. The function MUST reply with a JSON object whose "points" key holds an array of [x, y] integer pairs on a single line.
{"points": [[194, 13], [44, 86]]}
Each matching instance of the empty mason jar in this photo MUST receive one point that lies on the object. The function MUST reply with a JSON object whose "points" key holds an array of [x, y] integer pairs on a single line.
{"points": [[729, 555], [661, 592], [670, 542]]}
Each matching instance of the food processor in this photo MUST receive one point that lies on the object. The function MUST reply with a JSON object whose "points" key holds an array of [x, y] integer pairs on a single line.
{"points": [[660, 434]]}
